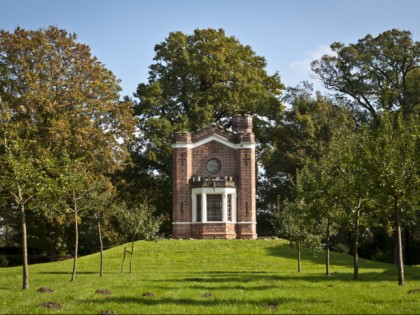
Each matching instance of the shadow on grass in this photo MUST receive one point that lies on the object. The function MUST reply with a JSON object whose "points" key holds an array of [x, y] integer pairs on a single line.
{"points": [[206, 280], [214, 301], [338, 259], [68, 272]]}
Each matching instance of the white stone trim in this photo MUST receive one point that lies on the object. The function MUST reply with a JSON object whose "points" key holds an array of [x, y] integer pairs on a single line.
{"points": [[204, 191], [215, 137], [244, 222]]}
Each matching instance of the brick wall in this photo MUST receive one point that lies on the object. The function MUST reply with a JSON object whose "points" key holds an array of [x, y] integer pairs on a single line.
{"points": [[237, 161]]}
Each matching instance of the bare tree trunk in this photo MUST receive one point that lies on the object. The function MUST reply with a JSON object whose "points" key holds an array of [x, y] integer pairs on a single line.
{"points": [[399, 243], [298, 248], [131, 257], [327, 251], [122, 267], [24, 247], [101, 266], [76, 246], [356, 246]]}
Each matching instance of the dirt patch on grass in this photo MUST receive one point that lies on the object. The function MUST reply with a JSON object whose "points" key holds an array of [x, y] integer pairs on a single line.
{"points": [[272, 307], [207, 295], [53, 305], [107, 312], [194, 279], [148, 294], [103, 291], [413, 291], [45, 290]]}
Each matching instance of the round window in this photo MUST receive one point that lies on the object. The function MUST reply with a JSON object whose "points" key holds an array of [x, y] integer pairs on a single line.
{"points": [[213, 166]]}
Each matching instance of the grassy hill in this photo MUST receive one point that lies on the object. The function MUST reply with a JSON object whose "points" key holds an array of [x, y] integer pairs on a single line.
{"points": [[211, 276]]}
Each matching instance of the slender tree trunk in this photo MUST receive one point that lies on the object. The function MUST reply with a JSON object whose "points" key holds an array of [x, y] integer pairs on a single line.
{"points": [[76, 246], [24, 246], [327, 251], [101, 266], [356, 246], [122, 267], [298, 248], [131, 257], [399, 243]]}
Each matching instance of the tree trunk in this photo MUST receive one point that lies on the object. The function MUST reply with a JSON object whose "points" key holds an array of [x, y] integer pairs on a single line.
{"points": [[327, 251], [399, 243], [122, 267], [131, 257], [298, 248], [76, 246], [356, 246], [24, 247], [101, 266]]}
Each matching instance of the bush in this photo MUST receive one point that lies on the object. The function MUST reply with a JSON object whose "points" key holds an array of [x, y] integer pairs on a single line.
{"points": [[341, 248], [3, 261]]}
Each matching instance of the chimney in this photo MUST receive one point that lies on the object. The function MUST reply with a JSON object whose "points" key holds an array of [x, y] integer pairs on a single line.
{"points": [[242, 123]]}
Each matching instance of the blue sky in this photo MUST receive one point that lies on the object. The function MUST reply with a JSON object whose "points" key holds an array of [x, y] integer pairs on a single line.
{"points": [[289, 34]]}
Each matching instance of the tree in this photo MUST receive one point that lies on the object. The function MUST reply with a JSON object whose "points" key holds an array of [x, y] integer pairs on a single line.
{"points": [[295, 224], [352, 184], [374, 72], [395, 159], [306, 132], [76, 190], [103, 207], [198, 80], [139, 222], [317, 191], [56, 94], [59, 98], [23, 178]]}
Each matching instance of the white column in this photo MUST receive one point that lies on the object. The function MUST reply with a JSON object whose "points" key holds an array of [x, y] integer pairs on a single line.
{"points": [[234, 209], [224, 206], [194, 207], [203, 207]]}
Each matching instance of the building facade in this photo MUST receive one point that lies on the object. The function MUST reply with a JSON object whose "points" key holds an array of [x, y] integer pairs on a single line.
{"points": [[214, 183]]}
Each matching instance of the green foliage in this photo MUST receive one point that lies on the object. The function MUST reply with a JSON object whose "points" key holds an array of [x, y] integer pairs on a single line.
{"points": [[206, 78], [139, 222], [368, 178], [306, 132], [61, 124], [196, 81], [375, 72], [54, 93]]}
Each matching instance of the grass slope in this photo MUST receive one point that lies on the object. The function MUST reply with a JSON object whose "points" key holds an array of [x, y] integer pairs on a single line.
{"points": [[212, 276]]}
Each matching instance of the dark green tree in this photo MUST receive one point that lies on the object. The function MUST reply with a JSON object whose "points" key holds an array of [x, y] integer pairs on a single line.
{"points": [[375, 72], [395, 159], [305, 133], [198, 80]]}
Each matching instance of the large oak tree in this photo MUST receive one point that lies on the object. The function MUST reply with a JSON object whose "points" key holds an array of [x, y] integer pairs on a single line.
{"points": [[375, 72], [198, 80]]}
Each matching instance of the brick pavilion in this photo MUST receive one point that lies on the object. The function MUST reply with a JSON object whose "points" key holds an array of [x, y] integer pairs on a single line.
{"points": [[214, 183]]}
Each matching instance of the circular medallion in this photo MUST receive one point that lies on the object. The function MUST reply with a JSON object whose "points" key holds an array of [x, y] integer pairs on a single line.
{"points": [[213, 166]]}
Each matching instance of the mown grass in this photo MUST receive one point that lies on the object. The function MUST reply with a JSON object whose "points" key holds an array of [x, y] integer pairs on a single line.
{"points": [[212, 276]]}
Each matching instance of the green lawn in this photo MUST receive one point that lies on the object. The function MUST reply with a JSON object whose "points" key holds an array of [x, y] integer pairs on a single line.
{"points": [[212, 276]]}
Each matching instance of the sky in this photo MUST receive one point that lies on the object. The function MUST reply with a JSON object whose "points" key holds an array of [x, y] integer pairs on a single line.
{"points": [[289, 34]]}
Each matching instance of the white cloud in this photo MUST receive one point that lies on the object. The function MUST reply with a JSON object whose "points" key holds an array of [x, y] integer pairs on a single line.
{"points": [[301, 69]]}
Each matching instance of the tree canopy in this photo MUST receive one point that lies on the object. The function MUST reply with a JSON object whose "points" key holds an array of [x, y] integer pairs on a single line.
{"points": [[54, 92], [196, 81], [375, 72]]}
